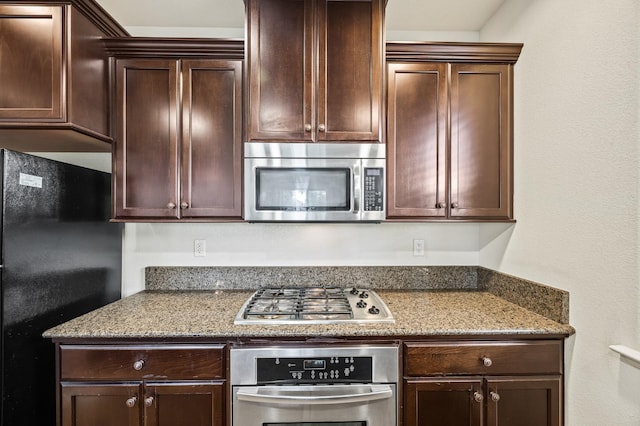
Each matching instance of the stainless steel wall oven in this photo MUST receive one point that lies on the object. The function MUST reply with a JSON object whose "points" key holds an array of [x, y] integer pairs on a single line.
{"points": [[314, 386]]}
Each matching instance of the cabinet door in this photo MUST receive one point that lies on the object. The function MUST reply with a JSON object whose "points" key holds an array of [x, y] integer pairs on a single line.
{"points": [[350, 70], [211, 138], [146, 149], [281, 57], [434, 402], [481, 141], [417, 140], [118, 404], [193, 404], [31, 69], [530, 401]]}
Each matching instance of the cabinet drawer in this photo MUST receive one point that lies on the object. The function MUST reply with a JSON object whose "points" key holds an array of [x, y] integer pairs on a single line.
{"points": [[111, 362], [486, 358]]}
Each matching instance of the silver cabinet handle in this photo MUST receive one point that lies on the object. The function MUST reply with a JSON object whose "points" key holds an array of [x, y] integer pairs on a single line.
{"points": [[307, 127], [171, 206], [138, 365], [131, 402], [486, 361], [148, 401], [303, 395], [454, 205], [184, 205], [477, 397], [441, 205], [321, 128], [495, 397]]}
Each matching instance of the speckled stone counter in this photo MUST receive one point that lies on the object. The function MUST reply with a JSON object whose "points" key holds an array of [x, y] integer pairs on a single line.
{"points": [[210, 314]]}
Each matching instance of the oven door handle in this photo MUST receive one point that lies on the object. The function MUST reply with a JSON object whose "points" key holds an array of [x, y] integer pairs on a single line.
{"points": [[304, 394]]}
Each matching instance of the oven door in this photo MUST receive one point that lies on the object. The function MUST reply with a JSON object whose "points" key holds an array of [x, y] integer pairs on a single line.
{"points": [[315, 405]]}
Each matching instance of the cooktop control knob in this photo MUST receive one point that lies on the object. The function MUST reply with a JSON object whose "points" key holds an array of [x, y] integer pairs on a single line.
{"points": [[354, 291], [373, 310], [361, 304], [364, 295]]}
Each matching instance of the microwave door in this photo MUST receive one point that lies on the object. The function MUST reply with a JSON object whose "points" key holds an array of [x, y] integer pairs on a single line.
{"points": [[302, 190]]}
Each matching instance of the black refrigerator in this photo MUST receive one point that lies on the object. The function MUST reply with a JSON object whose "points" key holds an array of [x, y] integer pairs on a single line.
{"points": [[60, 258]]}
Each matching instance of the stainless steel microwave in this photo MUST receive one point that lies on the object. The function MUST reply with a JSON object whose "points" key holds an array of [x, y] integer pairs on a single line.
{"points": [[314, 182]]}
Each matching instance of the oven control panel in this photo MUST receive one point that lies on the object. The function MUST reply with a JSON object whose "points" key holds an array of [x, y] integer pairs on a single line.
{"points": [[332, 369]]}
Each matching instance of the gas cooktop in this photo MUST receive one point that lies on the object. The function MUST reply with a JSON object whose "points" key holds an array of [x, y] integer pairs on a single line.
{"points": [[313, 305]]}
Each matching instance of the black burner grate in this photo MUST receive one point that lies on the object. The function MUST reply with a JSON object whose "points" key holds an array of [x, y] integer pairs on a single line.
{"points": [[307, 303]]}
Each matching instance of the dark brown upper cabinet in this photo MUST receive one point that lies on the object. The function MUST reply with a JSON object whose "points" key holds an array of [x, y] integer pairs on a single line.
{"points": [[481, 141], [315, 70], [450, 131], [55, 76], [177, 154]]}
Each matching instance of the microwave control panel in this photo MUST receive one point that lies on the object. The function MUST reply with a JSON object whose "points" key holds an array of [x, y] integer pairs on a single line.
{"points": [[373, 189]]}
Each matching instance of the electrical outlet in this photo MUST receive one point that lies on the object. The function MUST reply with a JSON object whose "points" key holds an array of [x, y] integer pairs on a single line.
{"points": [[418, 247], [199, 248]]}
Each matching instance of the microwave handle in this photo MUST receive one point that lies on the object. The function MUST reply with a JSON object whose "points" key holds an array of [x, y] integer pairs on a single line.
{"points": [[357, 187], [252, 394]]}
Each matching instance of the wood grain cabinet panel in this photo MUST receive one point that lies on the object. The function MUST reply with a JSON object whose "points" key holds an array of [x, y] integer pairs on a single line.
{"points": [[169, 166], [138, 404], [450, 132], [211, 174], [31, 69], [146, 149], [483, 383], [315, 70], [109, 362], [150, 385], [443, 402], [528, 401], [193, 404], [417, 140], [481, 141], [55, 77], [464, 358], [108, 404]]}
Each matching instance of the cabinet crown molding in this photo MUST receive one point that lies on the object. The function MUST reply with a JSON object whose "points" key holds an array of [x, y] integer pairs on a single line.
{"points": [[159, 47], [98, 16], [504, 53]]}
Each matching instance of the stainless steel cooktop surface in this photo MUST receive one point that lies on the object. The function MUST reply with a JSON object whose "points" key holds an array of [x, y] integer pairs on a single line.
{"points": [[313, 305]]}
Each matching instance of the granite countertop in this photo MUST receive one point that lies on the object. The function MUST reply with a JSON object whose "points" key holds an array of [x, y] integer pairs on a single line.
{"points": [[210, 314]]}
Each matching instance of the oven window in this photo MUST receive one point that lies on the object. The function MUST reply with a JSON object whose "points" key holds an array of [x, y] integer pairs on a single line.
{"points": [[303, 189], [317, 424]]}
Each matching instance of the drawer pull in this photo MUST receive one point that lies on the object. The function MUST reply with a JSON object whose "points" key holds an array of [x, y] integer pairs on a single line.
{"points": [[148, 401], [131, 402], [138, 365], [477, 396], [494, 396], [486, 361]]}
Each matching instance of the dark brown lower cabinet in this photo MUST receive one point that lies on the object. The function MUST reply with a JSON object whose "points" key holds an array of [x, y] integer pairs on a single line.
{"points": [[524, 401], [483, 401], [440, 402], [142, 385], [483, 383], [149, 404], [104, 404]]}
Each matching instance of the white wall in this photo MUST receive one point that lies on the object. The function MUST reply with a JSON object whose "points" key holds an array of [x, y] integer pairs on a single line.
{"points": [[91, 160], [576, 186], [245, 244]]}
